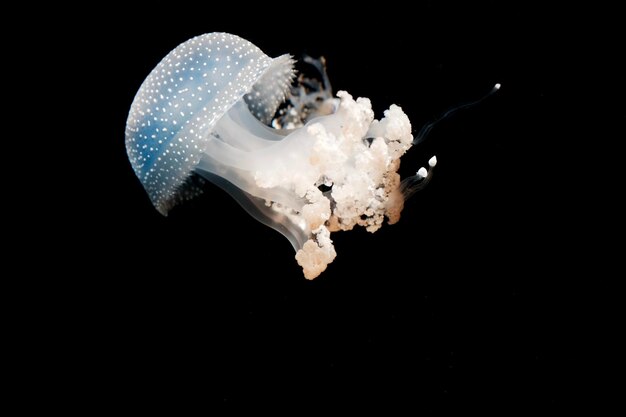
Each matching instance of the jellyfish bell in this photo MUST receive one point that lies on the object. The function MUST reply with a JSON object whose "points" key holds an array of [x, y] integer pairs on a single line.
{"points": [[204, 113], [174, 115]]}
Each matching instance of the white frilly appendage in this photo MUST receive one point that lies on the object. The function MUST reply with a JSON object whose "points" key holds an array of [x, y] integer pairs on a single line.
{"points": [[348, 154], [358, 157]]}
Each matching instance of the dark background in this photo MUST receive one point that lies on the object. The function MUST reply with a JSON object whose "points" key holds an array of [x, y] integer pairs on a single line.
{"points": [[459, 306]]}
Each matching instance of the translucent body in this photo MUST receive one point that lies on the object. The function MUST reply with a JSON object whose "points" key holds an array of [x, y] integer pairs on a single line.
{"points": [[179, 104], [204, 112]]}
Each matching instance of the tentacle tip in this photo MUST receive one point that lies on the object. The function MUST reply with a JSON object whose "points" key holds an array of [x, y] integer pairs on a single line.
{"points": [[432, 161], [497, 86], [422, 173]]}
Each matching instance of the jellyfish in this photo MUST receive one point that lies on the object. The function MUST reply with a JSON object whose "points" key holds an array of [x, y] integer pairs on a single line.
{"points": [[294, 156]]}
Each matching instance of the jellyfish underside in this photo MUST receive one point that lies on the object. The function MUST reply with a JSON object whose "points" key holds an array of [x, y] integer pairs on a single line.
{"points": [[241, 145], [251, 160]]}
